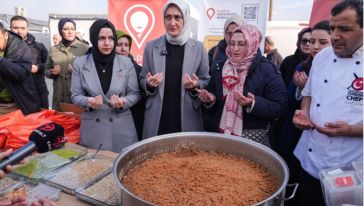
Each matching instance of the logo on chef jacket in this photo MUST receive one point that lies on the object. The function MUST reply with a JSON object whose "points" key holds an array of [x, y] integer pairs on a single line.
{"points": [[355, 91]]}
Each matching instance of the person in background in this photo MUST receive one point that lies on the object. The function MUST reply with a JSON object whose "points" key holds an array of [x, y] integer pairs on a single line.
{"points": [[79, 37], [217, 54], [248, 92], [17, 90], [106, 86], [174, 66], [60, 60], [19, 25], [123, 47], [289, 135], [331, 113], [289, 64], [320, 39], [56, 39], [272, 52], [287, 69]]}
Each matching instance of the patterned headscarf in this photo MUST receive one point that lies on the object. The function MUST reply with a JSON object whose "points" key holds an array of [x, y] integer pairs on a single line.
{"points": [[233, 78], [183, 37]]}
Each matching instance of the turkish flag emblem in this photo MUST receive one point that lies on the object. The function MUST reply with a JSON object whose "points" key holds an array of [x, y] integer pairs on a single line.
{"points": [[357, 84]]}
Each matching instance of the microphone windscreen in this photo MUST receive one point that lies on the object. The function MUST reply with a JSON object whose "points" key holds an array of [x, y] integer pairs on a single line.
{"points": [[48, 137]]}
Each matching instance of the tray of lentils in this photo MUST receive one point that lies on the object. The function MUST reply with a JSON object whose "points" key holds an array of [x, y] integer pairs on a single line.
{"points": [[103, 191], [79, 173]]}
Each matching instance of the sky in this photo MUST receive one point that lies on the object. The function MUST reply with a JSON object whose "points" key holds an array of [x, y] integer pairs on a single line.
{"points": [[298, 10]]}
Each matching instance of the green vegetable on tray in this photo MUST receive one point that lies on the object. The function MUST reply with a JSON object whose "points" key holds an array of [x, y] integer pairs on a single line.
{"points": [[66, 153], [27, 169], [43, 164]]}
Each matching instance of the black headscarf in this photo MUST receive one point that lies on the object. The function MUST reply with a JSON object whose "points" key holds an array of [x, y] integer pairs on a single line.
{"points": [[94, 36], [61, 24]]}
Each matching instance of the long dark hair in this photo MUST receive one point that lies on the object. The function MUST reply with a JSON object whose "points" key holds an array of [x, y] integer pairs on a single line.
{"points": [[299, 53], [322, 25]]}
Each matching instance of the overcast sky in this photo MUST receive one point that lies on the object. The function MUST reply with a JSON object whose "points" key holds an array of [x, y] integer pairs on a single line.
{"points": [[40, 9]]}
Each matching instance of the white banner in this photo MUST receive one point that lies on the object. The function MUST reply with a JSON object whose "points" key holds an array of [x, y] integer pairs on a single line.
{"points": [[215, 12]]}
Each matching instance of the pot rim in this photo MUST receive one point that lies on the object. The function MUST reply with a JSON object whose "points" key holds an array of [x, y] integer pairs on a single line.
{"points": [[194, 134]]}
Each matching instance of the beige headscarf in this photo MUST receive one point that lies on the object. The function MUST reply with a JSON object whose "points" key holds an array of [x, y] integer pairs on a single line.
{"points": [[183, 37], [233, 79], [233, 19]]}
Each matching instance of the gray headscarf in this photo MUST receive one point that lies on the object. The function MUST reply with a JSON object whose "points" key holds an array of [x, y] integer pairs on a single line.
{"points": [[233, 19], [183, 37]]}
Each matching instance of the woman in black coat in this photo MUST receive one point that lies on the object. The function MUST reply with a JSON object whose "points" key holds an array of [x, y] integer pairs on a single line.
{"points": [[246, 91], [289, 64], [123, 47]]}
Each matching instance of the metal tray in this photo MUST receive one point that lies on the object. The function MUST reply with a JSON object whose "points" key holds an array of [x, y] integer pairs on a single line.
{"points": [[21, 189], [80, 192], [9, 182], [67, 179], [38, 158]]}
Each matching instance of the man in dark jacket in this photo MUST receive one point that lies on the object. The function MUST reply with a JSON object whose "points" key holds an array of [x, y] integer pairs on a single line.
{"points": [[17, 89], [272, 53], [19, 25]]}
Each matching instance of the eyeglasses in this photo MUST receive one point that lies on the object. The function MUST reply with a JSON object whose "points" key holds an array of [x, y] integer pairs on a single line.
{"points": [[177, 18], [305, 42]]}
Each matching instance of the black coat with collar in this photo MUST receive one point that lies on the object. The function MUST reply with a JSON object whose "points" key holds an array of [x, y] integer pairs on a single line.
{"points": [[39, 58], [289, 64], [15, 69], [264, 82]]}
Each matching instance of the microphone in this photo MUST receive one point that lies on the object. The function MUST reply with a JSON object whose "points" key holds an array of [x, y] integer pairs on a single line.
{"points": [[47, 137], [164, 52]]}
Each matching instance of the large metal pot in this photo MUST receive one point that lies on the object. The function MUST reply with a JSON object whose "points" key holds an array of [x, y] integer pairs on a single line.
{"points": [[141, 151]]}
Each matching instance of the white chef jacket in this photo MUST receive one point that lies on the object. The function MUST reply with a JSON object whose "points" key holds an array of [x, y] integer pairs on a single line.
{"points": [[336, 89]]}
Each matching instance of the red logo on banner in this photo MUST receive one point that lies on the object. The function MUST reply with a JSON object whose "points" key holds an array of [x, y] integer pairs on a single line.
{"points": [[141, 19], [210, 13]]}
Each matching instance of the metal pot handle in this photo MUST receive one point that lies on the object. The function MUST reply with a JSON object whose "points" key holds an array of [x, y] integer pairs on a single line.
{"points": [[295, 185]]}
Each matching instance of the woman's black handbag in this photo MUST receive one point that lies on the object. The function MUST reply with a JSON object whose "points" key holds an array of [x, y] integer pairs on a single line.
{"points": [[258, 135]]}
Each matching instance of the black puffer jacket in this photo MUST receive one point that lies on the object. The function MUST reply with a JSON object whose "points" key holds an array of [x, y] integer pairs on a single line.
{"points": [[265, 82], [15, 70], [39, 57]]}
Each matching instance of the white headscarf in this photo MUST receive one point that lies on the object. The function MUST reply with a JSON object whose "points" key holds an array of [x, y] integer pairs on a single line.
{"points": [[239, 20], [183, 37]]}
